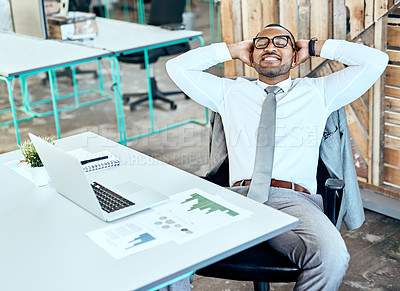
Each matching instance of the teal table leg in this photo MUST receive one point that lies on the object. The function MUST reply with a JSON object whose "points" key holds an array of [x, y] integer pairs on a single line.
{"points": [[12, 104], [141, 11], [25, 93], [126, 10], [118, 100], [211, 6], [54, 100], [100, 74], [76, 95], [219, 23], [150, 94]]}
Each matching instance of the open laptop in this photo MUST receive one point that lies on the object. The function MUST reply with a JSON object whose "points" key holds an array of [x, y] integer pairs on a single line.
{"points": [[122, 197]]}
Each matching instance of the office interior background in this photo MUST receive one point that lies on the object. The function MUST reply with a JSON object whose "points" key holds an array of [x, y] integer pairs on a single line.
{"points": [[159, 129]]}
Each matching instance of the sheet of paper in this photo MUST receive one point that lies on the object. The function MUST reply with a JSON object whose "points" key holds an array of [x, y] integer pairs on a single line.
{"points": [[191, 214], [126, 238], [21, 168]]}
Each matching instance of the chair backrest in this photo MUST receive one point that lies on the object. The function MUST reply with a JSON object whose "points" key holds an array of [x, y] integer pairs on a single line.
{"points": [[166, 12], [220, 175]]}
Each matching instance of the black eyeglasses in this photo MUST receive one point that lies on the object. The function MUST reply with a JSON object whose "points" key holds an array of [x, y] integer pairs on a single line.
{"points": [[279, 41]]}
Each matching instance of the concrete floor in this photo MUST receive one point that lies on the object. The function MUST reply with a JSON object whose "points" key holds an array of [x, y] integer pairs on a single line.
{"points": [[374, 248]]}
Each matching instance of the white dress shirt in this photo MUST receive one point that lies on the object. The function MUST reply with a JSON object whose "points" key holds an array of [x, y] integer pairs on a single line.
{"points": [[302, 108]]}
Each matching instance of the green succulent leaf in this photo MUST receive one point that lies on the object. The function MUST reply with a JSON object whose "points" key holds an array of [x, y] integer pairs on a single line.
{"points": [[30, 154]]}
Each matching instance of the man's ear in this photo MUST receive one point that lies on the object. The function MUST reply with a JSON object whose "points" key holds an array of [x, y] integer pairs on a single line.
{"points": [[295, 62]]}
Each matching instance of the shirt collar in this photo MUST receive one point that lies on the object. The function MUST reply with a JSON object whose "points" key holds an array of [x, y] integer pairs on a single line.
{"points": [[285, 84]]}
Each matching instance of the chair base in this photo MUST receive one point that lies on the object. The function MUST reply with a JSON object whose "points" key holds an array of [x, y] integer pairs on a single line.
{"points": [[156, 95], [261, 286], [260, 264]]}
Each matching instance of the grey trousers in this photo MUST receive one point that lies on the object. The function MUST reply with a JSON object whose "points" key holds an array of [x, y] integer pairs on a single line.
{"points": [[316, 246]]}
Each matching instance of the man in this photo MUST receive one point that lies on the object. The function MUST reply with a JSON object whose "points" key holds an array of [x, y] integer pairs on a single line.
{"points": [[303, 106]]}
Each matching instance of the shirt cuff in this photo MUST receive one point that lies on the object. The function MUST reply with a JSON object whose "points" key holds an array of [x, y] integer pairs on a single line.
{"points": [[221, 52], [329, 48]]}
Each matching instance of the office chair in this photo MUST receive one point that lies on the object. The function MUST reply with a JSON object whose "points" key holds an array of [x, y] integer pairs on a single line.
{"points": [[261, 263], [161, 13]]}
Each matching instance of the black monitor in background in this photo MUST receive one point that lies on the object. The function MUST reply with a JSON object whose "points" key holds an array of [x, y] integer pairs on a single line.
{"points": [[79, 5], [166, 12], [28, 17]]}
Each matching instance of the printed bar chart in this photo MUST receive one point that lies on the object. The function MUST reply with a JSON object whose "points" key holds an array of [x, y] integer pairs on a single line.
{"points": [[204, 204]]}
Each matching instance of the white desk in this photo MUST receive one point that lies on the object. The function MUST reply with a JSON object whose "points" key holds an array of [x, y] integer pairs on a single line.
{"points": [[44, 245], [21, 56], [120, 36]]}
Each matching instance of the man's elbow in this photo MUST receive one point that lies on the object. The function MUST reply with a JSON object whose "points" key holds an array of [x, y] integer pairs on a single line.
{"points": [[172, 68], [382, 61]]}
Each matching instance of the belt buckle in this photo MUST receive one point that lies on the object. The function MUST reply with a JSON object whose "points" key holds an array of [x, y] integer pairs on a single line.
{"points": [[242, 182], [293, 187]]}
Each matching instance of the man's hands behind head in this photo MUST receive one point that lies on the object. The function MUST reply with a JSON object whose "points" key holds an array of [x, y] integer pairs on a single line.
{"points": [[302, 51], [243, 51]]}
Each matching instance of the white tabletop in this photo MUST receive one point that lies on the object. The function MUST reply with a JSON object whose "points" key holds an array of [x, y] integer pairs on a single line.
{"points": [[120, 36], [23, 54], [44, 245]]}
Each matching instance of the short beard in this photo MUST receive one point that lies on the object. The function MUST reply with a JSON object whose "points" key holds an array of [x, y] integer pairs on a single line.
{"points": [[272, 72]]}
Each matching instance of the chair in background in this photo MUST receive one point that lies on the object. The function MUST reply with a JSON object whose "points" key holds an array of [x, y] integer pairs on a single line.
{"points": [[262, 264], [162, 13]]}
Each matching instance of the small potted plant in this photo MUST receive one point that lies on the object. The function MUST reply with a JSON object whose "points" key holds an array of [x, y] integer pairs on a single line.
{"points": [[31, 157]]}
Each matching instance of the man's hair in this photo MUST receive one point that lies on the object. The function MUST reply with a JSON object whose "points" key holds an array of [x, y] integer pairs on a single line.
{"points": [[278, 25]]}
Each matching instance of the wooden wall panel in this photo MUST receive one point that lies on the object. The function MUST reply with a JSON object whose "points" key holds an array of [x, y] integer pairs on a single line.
{"points": [[393, 74], [392, 117], [381, 6], [392, 174], [270, 10], [393, 36], [392, 103], [392, 141], [357, 131], [395, 21], [339, 19], [392, 129], [289, 19], [368, 13], [377, 123], [392, 156], [319, 25], [394, 55], [237, 31], [356, 9], [392, 91], [252, 24], [304, 32], [227, 34], [361, 110]]}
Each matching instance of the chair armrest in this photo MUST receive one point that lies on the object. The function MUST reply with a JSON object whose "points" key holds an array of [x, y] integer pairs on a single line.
{"points": [[334, 184], [334, 193]]}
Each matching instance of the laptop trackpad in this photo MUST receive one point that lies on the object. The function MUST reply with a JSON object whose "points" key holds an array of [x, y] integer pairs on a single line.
{"points": [[128, 187], [116, 182]]}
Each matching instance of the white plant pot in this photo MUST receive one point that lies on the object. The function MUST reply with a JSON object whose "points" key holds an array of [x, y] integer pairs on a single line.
{"points": [[39, 176]]}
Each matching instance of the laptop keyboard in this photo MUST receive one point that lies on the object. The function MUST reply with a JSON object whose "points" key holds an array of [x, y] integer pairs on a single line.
{"points": [[109, 200]]}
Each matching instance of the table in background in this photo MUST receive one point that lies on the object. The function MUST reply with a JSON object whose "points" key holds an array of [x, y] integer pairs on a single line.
{"points": [[121, 37], [44, 245], [22, 56]]}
